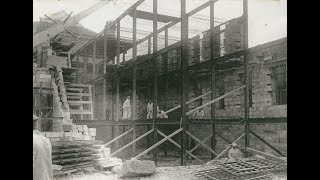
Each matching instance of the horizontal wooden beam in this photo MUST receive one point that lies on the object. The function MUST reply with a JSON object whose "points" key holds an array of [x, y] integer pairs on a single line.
{"points": [[80, 112], [79, 102], [79, 85], [149, 16], [80, 94], [75, 89]]}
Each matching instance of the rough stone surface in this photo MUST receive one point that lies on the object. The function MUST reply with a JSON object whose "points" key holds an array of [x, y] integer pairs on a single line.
{"points": [[134, 168]]}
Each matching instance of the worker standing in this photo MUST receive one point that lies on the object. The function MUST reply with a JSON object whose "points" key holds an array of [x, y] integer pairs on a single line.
{"points": [[161, 113], [234, 152], [42, 160], [149, 110], [126, 108], [198, 114]]}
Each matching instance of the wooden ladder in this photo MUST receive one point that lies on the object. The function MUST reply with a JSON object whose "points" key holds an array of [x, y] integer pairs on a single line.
{"points": [[79, 98]]}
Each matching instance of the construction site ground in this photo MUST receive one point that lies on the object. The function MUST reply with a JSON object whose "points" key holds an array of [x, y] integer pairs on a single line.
{"points": [[162, 173]]}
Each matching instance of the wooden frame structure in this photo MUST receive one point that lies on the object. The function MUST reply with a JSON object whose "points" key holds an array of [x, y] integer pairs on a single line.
{"points": [[184, 80]]}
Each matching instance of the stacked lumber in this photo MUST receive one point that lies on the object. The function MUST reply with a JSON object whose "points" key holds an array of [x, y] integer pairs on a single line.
{"points": [[74, 156]]}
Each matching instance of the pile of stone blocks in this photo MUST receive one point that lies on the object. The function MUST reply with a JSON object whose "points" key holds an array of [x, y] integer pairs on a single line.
{"points": [[78, 132], [41, 75]]}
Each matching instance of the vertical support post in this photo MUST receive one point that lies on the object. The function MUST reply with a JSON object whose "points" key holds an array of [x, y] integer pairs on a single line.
{"points": [[85, 64], [124, 54], [165, 56], [104, 83], [246, 73], [149, 99], [40, 100], [184, 74], [77, 72], [166, 68], [155, 78], [134, 77], [117, 83], [149, 45], [94, 76], [69, 59], [91, 99], [213, 77]]}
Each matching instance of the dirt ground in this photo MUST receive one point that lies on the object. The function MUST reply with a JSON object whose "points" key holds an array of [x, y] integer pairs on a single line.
{"points": [[162, 173]]}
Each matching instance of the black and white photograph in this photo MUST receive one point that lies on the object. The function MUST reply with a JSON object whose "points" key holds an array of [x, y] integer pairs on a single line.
{"points": [[159, 89]]}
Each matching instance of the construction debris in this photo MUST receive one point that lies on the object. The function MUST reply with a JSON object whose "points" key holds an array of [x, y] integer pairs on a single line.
{"points": [[247, 168], [105, 162], [137, 168]]}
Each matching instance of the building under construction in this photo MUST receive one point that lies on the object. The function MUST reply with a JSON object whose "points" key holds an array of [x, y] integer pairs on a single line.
{"points": [[82, 80]]}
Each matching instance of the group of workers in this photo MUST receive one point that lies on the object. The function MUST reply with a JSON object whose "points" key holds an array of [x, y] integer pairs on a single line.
{"points": [[160, 113], [126, 109]]}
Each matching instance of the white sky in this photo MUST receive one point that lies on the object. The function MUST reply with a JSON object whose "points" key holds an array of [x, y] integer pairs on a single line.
{"points": [[267, 18]]}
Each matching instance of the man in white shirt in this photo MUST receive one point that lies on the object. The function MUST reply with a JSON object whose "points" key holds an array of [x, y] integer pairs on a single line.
{"points": [[198, 114], [126, 108], [149, 110], [42, 158], [161, 113]]}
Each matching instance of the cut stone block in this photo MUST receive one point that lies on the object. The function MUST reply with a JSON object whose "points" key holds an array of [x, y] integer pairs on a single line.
{"points": [[92, 131], [136, 168], [67, 128], [54, 134]]}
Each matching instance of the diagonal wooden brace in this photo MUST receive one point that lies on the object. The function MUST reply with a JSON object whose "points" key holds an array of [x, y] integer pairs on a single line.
{"points": [[158, 143], [228, 148], [118, 137], [132, 142], [207, 138], [225, 139], [200, 142], [265, 142], [178, 145], [215, 100]]}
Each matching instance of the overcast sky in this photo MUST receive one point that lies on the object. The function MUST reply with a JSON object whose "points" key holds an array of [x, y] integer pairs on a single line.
{"points": [[267, 18]]}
